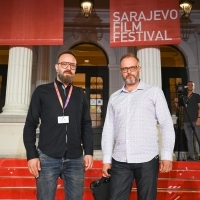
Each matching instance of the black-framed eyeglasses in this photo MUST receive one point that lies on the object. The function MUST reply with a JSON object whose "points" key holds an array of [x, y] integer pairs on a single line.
{"points": [[132, 69], [65, 65]]}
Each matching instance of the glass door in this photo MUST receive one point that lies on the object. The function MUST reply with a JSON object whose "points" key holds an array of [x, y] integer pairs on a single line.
{"points": [[94, 80]]}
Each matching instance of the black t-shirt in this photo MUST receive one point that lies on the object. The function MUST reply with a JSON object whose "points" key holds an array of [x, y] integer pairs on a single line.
{"points": [[45, 107]]}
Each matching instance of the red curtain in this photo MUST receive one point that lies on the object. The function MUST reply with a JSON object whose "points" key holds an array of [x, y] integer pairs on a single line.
{"points": [[31, 22], [149, 22]]}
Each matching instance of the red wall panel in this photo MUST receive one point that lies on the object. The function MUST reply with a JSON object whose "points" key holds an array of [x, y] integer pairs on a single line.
{"points": [[31, 22]]}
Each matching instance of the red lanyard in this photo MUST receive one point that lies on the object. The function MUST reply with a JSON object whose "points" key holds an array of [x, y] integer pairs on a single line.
{"points": [[59, 97]]}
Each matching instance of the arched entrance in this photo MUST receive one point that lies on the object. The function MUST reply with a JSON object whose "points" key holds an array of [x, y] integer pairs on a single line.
{"points": [[173, 72], [92, 75]]}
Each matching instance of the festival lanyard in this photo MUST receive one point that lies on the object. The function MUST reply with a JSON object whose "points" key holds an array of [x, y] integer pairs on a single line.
{"points": [[59, 97]]}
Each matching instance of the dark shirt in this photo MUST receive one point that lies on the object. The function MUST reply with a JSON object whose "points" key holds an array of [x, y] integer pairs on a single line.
{"points": [[191, 107], [45, 108]]}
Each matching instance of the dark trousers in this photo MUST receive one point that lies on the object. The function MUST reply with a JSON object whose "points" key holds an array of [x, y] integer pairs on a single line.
{"points": [[145, 175], [190, 137]]}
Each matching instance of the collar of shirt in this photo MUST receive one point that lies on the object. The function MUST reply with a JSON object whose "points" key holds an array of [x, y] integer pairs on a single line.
{"points": [[60, 83], [140, 86]]}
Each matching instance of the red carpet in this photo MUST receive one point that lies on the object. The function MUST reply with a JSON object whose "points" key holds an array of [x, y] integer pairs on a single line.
{"points": [[182, 183]]}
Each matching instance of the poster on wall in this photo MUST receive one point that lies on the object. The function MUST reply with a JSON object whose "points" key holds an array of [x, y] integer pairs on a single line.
{"points": [[149, 22]]}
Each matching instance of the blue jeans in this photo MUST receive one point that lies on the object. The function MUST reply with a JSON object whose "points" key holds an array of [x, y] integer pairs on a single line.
{"points": [[145, 174], [70, 170]]}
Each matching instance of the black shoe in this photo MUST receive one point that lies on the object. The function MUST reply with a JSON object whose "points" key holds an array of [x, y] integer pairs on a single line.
{"points": [[190, 159]]}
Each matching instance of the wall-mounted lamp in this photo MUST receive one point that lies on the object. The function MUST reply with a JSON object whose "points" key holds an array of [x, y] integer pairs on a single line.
{"points": [[185, 8], [86, 6]]}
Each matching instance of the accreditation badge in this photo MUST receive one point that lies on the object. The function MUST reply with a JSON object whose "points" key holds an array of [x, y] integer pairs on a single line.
{"points": [[63, 119]]}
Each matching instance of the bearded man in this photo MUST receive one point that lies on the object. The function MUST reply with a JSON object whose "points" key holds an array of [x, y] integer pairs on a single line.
{"points": [[65, 147], [130, 135]]}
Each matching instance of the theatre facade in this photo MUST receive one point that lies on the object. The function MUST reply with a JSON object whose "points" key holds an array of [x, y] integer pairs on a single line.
{"points": [[24, 67]]}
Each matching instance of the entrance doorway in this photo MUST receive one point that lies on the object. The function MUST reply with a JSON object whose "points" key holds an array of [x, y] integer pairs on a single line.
{"points": [[92, 75], [173, 72], [171, 77]]}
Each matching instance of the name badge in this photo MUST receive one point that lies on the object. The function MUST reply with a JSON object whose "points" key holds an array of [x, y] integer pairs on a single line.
{"points": [[63, 119]]}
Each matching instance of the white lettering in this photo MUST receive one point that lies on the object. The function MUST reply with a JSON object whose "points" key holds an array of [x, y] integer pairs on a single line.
{"points": [[132, 37], [137, 27], [116, 25], [141, 16], [166, 38], [153, 15], [133, 16], [124, 17], [157, 15], [121, 26], [150, 36], [145, 36], [149, 19], [124, 37], [174, 14], [115, 36], [125, 27], [165, 15], [159, 36], [115, 15], [139, 35]]}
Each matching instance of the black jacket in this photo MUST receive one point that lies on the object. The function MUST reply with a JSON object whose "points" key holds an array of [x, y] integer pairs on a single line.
{"points": [[44, 109]]}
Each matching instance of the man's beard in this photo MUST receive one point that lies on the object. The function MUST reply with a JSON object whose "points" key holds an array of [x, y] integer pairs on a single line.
{"points": [[65, 79], [131, 81]]}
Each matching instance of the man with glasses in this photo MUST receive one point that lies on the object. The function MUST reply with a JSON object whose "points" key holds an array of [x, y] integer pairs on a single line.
{"points": [[65, 131], [130, 135]]}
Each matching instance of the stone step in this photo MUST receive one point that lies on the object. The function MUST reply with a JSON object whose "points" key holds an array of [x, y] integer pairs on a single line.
{"points": [[29, 193], [18, 181], [183, 182]]}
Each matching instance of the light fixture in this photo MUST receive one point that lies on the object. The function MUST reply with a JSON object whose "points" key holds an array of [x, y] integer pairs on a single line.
{"points": [[185, 28], [86, 6], [185, 8]]}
